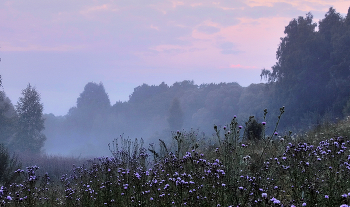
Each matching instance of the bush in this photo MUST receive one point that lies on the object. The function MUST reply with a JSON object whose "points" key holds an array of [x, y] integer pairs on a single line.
{"points": [[253, 131], [8, 165]]}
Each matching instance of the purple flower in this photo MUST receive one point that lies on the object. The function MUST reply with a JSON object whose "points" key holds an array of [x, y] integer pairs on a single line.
{"points": [[275, 201], [138, 175], [264, 195], [326, 196], [263, 123], [240, 127], [304, 204], [275, 133], [9, 198]]}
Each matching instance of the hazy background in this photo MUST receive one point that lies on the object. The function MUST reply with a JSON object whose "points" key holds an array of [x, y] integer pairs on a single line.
{"points": [[108, 68], [60, 46]]}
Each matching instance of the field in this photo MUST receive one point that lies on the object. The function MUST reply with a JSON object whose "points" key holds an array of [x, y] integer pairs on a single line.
{"points": [[309, 169]]}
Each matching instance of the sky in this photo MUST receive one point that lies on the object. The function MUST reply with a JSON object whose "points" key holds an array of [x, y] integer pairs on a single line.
{"points": [[59, 46]]}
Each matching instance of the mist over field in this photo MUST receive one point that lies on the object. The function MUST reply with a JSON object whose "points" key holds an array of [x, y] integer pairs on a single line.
{"points": [[151, 113], [147, 69], [210, 121], [310, 79]]}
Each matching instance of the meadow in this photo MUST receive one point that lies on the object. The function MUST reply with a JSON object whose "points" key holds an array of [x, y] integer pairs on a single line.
{"points": [[229, 169]]}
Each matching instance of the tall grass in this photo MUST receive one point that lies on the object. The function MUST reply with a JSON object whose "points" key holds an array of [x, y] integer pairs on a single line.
{"points": [[234, 170]]}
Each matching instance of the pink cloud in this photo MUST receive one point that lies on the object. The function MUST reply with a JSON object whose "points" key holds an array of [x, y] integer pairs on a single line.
{"points": [[101, 8], [305, 5], [257, 39], [243, 66], [177, 3]]}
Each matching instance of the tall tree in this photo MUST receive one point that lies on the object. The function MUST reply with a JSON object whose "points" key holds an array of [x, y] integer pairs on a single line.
{"points": [[293, 51], [336, 30], [331, 24], [301, 73], [29, 137]]}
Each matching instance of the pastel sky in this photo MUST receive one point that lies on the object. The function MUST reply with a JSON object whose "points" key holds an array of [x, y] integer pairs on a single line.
{"points": [[60, 45]]}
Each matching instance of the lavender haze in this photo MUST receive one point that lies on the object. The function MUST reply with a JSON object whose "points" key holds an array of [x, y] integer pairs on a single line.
{"points": [[59, 46]]}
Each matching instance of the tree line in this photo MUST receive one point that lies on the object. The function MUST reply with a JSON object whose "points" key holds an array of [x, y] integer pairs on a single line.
{"points": [[311, 78]]}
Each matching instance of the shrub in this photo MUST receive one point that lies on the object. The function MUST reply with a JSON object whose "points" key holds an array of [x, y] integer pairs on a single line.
{"points": [[8, 165], [253, 130]]}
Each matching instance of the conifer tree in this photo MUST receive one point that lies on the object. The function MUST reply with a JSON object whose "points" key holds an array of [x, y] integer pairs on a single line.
{"points": [[29, 137]]}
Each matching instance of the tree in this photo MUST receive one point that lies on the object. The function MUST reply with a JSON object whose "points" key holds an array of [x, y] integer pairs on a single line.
{"points": [[293, 50], [175, 118], [94, 97], [7, 119], [92, 104], [301, 73], [331, 24], [29, 137], [338, 29]]}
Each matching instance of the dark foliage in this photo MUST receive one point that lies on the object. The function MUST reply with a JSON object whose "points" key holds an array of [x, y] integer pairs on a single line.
{"points": [[8, 165], [8, 118], [253, 130], [312, 73], [29, 137]]}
